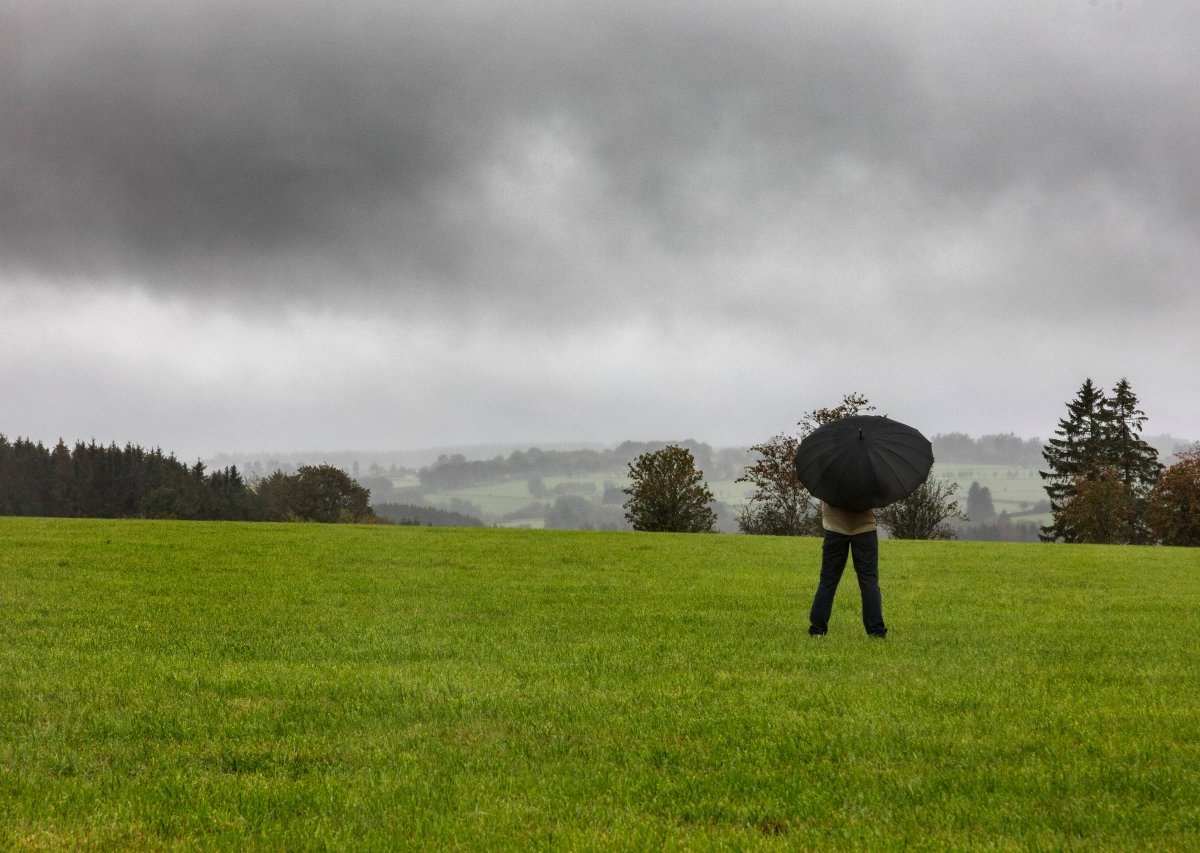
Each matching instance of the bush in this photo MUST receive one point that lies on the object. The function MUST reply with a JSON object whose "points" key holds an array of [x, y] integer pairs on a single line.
{"points": [[923, 514], [1173, 511], [668, 494], [319, 493]]}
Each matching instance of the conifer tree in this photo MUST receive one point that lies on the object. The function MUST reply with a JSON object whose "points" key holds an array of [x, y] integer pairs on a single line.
{"points": [[1099, 464], [1134, 461], [1125, 448], [1078, 448]]}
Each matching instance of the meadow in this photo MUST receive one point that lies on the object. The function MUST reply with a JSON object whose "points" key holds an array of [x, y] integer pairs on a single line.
{"points": [[217, 685], [1011, 486]]}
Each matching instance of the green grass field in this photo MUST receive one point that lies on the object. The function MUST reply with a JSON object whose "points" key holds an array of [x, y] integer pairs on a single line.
{"points": [[194, 685]]}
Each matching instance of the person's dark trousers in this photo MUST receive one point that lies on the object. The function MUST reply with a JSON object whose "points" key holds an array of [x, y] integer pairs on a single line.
{"points": [[836, 548]]}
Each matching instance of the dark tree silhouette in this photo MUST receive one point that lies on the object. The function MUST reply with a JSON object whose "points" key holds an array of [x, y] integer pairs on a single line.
{"points": [[1078, 446]]}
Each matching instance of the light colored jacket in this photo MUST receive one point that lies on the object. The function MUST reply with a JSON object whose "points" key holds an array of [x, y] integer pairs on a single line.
{"points": [[847, 521]]}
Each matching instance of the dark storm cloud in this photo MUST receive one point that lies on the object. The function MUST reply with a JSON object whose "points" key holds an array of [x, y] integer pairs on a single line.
{"points": [[284, 148], [161, 138]]}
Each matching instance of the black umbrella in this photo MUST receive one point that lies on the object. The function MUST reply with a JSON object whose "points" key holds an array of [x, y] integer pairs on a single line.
{"points": [[863, 461]]}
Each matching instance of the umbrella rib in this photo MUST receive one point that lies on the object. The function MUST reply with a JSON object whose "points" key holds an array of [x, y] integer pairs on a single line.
{"points": [[883, 466], [821, 456], [888, 462], [892, 462]]}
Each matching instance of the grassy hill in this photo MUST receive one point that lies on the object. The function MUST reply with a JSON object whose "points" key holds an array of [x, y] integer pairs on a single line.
{"points": [[287, 686]]}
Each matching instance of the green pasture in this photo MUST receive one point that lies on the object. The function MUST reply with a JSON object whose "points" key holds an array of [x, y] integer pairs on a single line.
{"points": [[260, 686], [1010, 486], [501, 498], [491, 498]]}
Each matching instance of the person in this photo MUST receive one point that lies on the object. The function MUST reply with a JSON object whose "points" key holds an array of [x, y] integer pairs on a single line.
{"points": [[848, 532]]}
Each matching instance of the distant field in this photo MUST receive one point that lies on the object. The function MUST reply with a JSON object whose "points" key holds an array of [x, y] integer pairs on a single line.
{"points": [[1010, 486], [301, 686], [510, 496], [492, 498]]}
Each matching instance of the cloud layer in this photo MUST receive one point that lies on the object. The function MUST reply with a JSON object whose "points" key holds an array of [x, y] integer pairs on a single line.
{"points": [[922, 180]]}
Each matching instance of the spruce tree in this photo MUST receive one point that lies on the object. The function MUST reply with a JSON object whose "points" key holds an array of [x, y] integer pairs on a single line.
{"points": [[1077, 450], [1134, 461]]}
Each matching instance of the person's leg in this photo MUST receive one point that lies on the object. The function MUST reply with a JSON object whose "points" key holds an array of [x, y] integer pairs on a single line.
{"points": [[865, 548], [834, 551]]}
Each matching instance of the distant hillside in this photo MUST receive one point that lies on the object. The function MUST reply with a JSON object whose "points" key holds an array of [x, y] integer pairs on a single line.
{"points": [[498, 462], [1000, 449], [1009, 449], [411, 458]]}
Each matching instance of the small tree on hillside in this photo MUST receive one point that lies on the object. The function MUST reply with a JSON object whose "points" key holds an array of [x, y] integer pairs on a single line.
{"points": [[667, 493], [979, 503], [923, 514], [779, 505], [1173, 510]]}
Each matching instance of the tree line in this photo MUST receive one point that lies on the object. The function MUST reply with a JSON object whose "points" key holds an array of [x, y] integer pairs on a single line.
{"points": [[451, 472], [998, 449], [107, 481]]}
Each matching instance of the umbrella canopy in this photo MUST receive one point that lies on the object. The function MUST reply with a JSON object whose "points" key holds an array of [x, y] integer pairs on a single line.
{"points": [[863, 461]]}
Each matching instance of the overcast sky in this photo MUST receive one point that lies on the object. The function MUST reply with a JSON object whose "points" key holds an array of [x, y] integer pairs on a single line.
{"points": [[243, 226]]}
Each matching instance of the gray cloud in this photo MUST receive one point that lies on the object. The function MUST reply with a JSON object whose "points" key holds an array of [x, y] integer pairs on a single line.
{"points": [[291, 148]]}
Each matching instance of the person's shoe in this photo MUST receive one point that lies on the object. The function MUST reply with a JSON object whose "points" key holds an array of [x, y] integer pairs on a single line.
{"points": [[882, 636], [814, 631]]}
